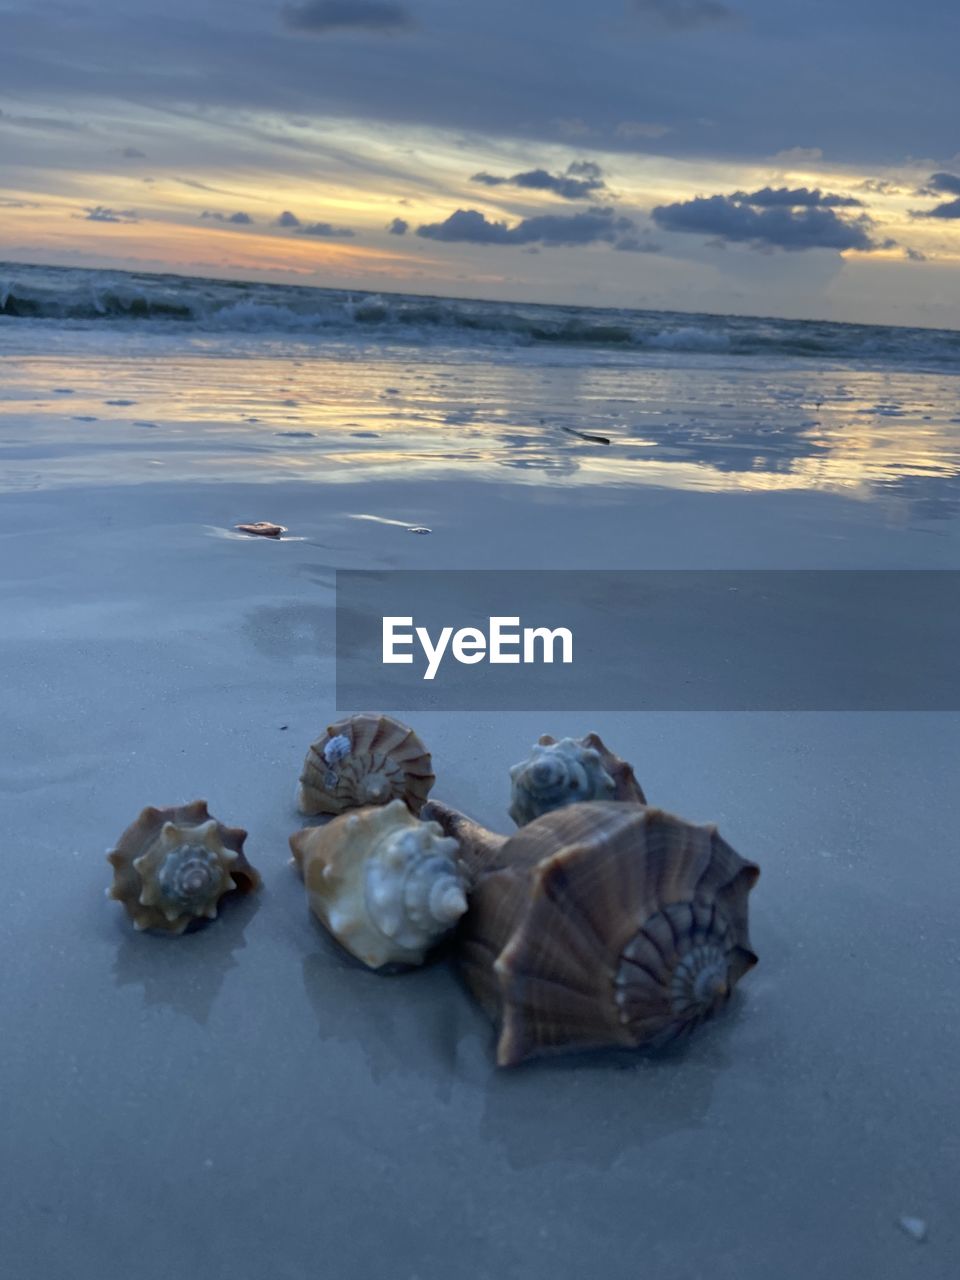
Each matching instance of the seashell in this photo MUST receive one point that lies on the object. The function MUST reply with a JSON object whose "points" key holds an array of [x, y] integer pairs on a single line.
{"points": [[262, 529], [365, 760], [600, 924], [172, 867], [569, 772], [386, 885]]}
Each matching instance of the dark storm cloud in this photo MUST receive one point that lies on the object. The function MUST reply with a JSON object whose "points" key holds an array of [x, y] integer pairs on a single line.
{"points": [[581, 179], [795, 198], [469, 226], [398, 227], [324, 230], [240, 218], [729, 219], [317, 17], [287, 219], [683, 15], [99, 213]]}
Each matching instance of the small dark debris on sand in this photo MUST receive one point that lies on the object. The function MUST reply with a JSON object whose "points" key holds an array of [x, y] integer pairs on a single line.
{"points": [[586, 435], [262, 529]]}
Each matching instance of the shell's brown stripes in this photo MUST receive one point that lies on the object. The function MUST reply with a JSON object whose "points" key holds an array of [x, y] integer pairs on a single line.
{"points": [[600, 924], [365, 760]]}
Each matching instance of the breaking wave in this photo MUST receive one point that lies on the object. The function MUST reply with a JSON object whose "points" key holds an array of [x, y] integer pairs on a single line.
{"points": [[79, 297]]}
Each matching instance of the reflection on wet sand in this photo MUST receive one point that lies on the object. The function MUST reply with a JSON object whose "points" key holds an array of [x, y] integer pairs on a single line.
{"points": [[413, 1022], [186, 973], [333, 418], [424, 1023]]}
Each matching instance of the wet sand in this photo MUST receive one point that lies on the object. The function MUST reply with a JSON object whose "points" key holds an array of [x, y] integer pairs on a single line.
{"points": [[248, 1102]]}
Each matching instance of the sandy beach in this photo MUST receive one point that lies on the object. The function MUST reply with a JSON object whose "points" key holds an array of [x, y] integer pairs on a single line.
{"points": [[248, 1102]]}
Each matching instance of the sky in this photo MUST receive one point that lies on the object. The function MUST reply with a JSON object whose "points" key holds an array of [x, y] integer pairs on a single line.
{"points": [[750, 157]]}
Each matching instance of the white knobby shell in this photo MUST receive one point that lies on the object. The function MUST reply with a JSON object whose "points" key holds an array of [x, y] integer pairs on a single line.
{"points": [[557, 774], [386, 885]]}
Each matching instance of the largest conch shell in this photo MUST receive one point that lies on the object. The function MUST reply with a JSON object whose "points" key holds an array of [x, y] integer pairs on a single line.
{"points": [[172, 866], [364, 760], [386, 885], [600, 924]]}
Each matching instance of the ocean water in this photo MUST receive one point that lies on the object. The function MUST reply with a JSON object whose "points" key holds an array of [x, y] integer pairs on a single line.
{"points": [[129, 378], [117, 298]]}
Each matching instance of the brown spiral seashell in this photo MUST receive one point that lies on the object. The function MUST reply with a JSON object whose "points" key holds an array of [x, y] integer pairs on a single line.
{"points": [[600, 924], [365, 760], [172, 866]]}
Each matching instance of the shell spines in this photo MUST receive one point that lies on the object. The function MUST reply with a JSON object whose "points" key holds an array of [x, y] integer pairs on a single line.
{"points": [[385, 884], [172, 866]]}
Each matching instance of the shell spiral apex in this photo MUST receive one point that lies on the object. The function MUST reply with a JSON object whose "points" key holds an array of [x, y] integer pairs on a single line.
{"points": [[172, 866], [386, 885], [570, 771], [601, 924], [364, 760]]}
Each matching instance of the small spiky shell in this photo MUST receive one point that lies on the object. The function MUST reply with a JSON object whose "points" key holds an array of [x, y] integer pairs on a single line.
{"points": [[570, 771], [365, 760], [601, 924], [172, 866], [386, 885]]}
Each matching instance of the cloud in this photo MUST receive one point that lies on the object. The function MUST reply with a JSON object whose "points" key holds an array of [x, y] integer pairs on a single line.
{"points": [[631, 243], [399, 227], [323, 229], [880, 187], [734, 220], [469, 226], [940, 184], [915, 255], [99, 213], [684, 15], [944, 182], [240, 218], [287, 219], [317, 17], [631, 130], [799, 155], [798, 197], [949, 210], [581, 179], [132, 153], [45, 123]]}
